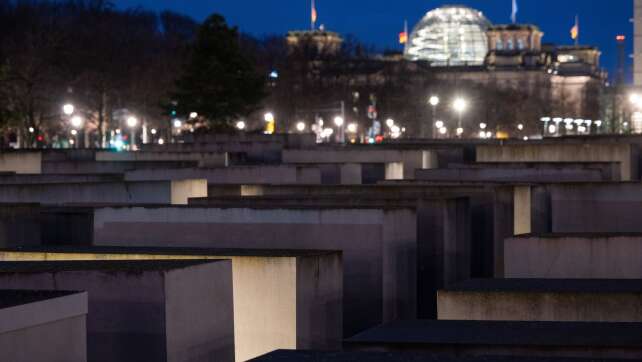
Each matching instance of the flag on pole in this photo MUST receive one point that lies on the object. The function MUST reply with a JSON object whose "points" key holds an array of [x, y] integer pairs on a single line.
{"points": [[575, 30], [403, 36], [513, 15], [314, 15]]}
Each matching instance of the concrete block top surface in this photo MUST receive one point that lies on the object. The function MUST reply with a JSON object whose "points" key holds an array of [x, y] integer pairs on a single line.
{"points": [[500, 333], [358, 356], [11, 298], [549, 286], [98, 265], [170, 251]]}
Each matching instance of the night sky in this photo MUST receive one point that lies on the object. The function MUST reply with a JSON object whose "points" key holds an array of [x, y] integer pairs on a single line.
{"points": [[378, 22]]}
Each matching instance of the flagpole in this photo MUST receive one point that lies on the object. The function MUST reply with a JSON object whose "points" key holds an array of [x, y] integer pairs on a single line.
{"points": [[577, 24], [312, 17], [405, 29]]}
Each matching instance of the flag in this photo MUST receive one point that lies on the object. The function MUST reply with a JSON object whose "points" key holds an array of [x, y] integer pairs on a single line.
{"points": [[314, 14], [575, 30], [403, 36], [513, 15]]}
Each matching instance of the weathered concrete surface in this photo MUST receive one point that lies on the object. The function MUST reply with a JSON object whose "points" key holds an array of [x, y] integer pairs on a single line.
{"points": [[152, 192], [579, 256], [296, 295], [492, 209], [111, 167], [560, 300], [21, 162], [262, 174], [144, 310], [499, 338], [403, 160], [444, 247], [609, 171], [596, 207], [43, 326], [379, 245], [626, 154], [20, 225], [207, 159], [510, 175], [21, 179], [356, 356]]}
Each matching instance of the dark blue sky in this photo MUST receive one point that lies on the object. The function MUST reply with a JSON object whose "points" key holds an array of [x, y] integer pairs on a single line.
{"points": [[378, 22]]}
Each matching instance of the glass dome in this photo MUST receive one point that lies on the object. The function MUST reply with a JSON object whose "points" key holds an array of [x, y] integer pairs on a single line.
{"points": [[450, 35]]}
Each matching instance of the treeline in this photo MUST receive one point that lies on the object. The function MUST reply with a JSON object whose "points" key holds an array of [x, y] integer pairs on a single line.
{"points": [[87, 53]]}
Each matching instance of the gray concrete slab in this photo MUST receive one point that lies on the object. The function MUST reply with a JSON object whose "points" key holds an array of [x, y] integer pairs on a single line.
{"points": [[277, 174], [379, 245], [143, 310], [525, 339], [577, 256], [316, 356], [556, 300], [295, 294], [38, 325]]}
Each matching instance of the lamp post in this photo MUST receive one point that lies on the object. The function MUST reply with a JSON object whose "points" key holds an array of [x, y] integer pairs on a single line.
{"points": [[460, 106], [76, 124], [434, 102], [339, 122], [132, 123]]}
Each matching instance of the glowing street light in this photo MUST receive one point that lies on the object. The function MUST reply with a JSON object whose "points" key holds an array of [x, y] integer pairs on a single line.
{"points": [[74, 132], [434, 101], [300, 126], [240, 125], [268, 117], [443, 130], [132, 122], [483, 125], [76, 121], [439, 124], [352, 128], [520, 127], [193, 115], [68, 109], [338, 121], [460, 106], [178, 123], [154, 131]]}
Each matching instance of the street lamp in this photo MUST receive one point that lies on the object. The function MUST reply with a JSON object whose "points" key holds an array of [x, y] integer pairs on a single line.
{"points": [[240, 125], [434, 102], [300, 126], [339, 121], [132, 123], [270, 126], [460, 106], [76, 122], [178, 123], [390, 122], [68, 109], [352, 128], [193, 115]]}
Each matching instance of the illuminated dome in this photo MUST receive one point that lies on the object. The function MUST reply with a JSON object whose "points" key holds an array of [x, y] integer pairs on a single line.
{"points": [[450, 35]]}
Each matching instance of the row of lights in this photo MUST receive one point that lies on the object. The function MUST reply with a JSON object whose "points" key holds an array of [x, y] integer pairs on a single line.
{"points": [[583, 125]]}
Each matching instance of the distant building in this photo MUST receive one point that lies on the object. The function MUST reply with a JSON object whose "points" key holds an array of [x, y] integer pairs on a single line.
{"points": [[325, 42], [506, 69]]}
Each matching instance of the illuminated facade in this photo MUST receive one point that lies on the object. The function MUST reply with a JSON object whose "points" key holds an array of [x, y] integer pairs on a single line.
{"points": [[450, 36]]}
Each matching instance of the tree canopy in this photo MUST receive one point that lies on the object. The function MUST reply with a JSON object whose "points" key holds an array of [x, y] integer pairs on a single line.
{"points": [[220, 82]]}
